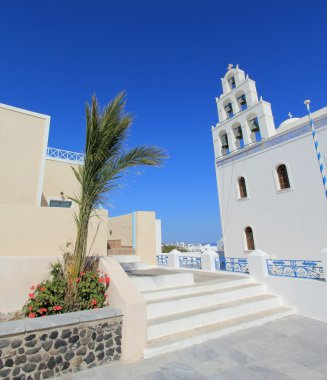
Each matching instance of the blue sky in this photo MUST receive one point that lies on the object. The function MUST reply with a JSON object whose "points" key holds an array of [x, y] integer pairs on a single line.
{"points": [[169, 57]]}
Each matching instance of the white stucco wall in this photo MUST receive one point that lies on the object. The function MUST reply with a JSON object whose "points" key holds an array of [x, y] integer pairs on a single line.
{"points": [[288, 224]]}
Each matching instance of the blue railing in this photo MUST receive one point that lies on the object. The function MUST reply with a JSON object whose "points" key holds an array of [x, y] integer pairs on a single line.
{"points": [[232, 264], [162, 260], [190, 262], [296, 268]]}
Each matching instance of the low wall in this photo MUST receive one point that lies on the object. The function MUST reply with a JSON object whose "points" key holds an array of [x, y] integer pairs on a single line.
{"points": [[124, 295], [53, 345], [307, 295], [17, 275], [44, 231]]}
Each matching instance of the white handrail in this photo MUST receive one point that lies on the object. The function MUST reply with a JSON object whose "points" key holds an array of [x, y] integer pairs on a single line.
{"points": [[65, 155]]}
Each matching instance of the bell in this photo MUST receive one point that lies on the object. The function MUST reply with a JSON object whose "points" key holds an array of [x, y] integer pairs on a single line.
{"points": [[224, 142], [238, 133], [254, 125]]}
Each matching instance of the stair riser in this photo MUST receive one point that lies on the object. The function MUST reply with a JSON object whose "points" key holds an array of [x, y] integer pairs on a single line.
{"points": [[188, 342], [161, 294], [160, 309], [211, 317], [162, 281]]}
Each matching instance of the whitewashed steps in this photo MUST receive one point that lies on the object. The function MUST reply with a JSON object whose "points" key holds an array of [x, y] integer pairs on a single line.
{"points": [[171, 324], [162, 281], [200, 335], [218, 284], [182, 303]]}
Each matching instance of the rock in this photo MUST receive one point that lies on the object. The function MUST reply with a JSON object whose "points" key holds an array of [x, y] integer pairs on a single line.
{"points": [[75, 330], [99, 330], [110, 343], [21, 350], [51, 363], [99, 338], [16, 343], [94, 335], [42, 366], [69, 355], [43, 337], [82, 333], [29, 367], [35, 358], [4, 343], [8, 353], [47, 345], [62, 350], [33, 351], [91, 345], [100, 356], [53, 334], [16, 371], [76, 362], [85, 341], [60, 343], [59, 359], [9, 363], [65, 365], [81, 351], [107, 336], [5, 372], [20, 359], [48, 373], [118, 341], [73, 339], [90, 358], [1, 364], [118, 331], [30, 337], [99, 347], [31, 343], [110, 352], [66, 334]]}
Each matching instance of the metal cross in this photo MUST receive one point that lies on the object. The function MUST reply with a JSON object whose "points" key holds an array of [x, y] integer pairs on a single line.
{"points": [[230, 66], [290, 115]]}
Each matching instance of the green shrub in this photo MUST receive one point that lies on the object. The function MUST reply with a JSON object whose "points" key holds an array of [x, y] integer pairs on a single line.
{"points": [[48, 297]]}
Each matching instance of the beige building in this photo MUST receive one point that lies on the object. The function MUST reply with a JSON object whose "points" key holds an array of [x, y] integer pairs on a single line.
{"points": [[36, 214]]}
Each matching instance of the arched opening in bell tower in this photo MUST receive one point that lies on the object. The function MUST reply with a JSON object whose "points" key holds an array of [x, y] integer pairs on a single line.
{"points": [[254, 126], [238, 133], [228, 107], [224, 143]]}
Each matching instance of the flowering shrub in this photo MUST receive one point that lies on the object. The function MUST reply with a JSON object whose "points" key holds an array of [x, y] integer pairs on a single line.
{"points": [[48, 297]]}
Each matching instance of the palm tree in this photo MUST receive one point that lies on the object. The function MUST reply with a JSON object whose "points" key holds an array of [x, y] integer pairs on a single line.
{"points": [[104, 161]]}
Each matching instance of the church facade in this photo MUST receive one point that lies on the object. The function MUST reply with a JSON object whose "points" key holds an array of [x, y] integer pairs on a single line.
{"points": [[270, 189]]}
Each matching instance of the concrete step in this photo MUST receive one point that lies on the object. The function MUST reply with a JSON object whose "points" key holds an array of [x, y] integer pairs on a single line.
{"points": [[148, 281], [217, 284], [199, 335], [183, 303], [185, 321], [127, 258]]}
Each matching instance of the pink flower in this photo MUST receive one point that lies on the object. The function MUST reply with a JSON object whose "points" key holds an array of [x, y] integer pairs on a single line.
{"points": [[82, 274], [31, 295], [42, 289], [107, 280], [31, 315], [32, 287], [30, 308], [57, 307], [93, 302]]}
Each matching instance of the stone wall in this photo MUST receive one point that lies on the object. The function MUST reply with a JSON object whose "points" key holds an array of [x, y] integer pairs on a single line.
{"points": [[45, 347]]}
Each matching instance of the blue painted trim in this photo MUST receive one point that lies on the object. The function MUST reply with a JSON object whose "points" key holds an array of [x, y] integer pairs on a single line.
{"points": [[232, 264], [190, 262], [162, 260], [304, 269]]}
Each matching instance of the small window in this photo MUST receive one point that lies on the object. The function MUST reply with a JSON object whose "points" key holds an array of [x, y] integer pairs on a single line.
{"points": [[284, 182], [249, 239], [242, 188], [57, 203], [232, 83]]}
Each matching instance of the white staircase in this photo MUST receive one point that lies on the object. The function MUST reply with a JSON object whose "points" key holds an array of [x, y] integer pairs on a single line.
{"points": [[212, 306]]}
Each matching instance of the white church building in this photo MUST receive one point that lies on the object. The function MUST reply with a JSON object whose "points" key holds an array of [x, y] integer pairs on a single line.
{"points": [[270, 188]]}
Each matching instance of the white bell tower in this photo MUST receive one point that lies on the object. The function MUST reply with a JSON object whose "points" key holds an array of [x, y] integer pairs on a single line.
{"points": [[243, 119]]}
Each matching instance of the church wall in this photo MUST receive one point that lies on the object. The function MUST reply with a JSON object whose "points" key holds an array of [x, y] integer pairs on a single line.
{"points": [[286, 224]]}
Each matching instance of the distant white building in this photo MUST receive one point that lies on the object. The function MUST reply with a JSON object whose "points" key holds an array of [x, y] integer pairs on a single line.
{"points": [[269, 184]]}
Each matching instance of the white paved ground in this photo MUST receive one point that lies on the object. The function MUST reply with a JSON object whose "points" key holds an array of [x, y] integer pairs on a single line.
{"points": [[291, 348]]}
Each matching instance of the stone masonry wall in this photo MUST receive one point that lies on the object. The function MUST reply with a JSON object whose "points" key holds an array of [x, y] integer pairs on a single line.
{"points": [[93, 339]]}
